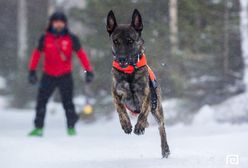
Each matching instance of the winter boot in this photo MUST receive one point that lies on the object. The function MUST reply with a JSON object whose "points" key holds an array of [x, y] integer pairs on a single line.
{"points": [[37, 132], [71, 131]]}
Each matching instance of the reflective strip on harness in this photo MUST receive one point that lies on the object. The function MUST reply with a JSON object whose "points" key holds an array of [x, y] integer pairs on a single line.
{"points": [[151, 74]]}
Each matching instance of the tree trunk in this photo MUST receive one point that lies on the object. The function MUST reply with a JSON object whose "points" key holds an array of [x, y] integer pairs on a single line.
{"points": [[226, 39], [31, 21], [22, 46], [244, 37], [173, 26], [51, 7], [22, 33]]}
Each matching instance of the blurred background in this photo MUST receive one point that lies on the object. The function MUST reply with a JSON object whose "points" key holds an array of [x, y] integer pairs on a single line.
{"points": [[193, 46], [199, 52]]}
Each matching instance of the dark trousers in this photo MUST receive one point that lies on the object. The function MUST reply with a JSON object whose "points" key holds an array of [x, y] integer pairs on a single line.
{"points": [[47, 86]]}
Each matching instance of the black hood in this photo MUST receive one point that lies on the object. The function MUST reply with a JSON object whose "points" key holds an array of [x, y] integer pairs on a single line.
{"points": [[57, 16]]}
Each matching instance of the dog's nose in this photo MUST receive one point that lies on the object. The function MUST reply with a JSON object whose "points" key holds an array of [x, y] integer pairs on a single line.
{"points": [[122, 59]]}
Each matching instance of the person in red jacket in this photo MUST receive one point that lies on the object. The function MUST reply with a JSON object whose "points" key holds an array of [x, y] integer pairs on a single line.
{"points": [[57, 46]]}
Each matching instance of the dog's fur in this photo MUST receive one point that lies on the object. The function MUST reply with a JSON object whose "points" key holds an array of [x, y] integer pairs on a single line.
{"points": [[133, 89]]}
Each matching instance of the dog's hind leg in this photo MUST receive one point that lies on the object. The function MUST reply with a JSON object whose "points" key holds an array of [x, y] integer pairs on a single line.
{"points": [[123, 116], [159, 116]]}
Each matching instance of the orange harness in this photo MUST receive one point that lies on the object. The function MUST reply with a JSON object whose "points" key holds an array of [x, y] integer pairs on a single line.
{"points": [[130, 68], [153, 83]]}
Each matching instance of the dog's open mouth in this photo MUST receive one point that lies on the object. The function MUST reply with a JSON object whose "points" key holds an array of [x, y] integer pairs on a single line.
{"points": [[130, 109], [130, 105]]}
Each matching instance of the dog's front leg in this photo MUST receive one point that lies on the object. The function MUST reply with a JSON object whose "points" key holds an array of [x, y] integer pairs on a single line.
{"points": [[123, 116], [142, 119]]}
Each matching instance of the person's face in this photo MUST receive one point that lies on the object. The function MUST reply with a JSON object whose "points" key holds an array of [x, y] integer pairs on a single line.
{"points": [[58, 25]]}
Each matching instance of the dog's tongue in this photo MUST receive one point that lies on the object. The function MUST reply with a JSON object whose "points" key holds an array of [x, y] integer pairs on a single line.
{"points": [[131, 107]]}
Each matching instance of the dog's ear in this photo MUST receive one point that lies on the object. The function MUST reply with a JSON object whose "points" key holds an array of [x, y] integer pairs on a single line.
{"points": [[137, 21], [111, 22]]}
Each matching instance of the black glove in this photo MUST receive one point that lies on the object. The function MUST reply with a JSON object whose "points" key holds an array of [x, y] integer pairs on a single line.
{"points": [[32, 78], [89, 77]]}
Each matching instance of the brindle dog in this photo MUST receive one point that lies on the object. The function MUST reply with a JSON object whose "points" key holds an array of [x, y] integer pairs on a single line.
{"points": [[133, 90]]}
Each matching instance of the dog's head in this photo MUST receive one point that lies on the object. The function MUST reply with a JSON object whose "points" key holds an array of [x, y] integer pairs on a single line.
{"points": [[126, 38]]}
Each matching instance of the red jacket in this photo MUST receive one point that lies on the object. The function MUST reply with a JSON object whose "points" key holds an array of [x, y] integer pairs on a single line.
{"points": [[58, 51]]}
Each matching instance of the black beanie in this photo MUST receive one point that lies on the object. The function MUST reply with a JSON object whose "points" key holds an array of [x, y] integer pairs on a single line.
{"points": [[58, 16]]}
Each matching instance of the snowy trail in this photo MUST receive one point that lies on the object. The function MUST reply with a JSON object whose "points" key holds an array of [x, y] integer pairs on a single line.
{"points": [[104, 145]]}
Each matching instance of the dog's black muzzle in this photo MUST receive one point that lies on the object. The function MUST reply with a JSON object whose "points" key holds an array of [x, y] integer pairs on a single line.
{"points": [[126, 60], [123, 61]]}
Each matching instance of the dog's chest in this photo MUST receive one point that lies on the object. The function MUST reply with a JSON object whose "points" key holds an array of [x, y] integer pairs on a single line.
{"points": [[131, 88], [131, 98]]}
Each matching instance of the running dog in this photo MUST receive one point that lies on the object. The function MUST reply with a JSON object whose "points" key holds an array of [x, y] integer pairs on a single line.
{"points": [[134, 86]]}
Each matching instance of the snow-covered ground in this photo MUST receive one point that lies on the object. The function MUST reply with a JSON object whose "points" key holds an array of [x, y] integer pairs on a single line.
{"points": [[104, 145], [2, 83]]}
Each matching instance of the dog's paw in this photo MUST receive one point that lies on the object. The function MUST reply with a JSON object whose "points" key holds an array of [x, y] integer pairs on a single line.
{"points": [[139, 129], [165, 152], [127, 128]]}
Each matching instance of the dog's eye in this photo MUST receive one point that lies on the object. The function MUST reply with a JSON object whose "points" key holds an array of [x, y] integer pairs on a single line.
{"points": [[116, 42], [130, 41]]}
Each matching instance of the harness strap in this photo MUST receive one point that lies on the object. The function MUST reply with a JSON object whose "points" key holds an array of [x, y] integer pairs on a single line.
{"points": [[152, 78], [61, 53], [131, 68]]}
